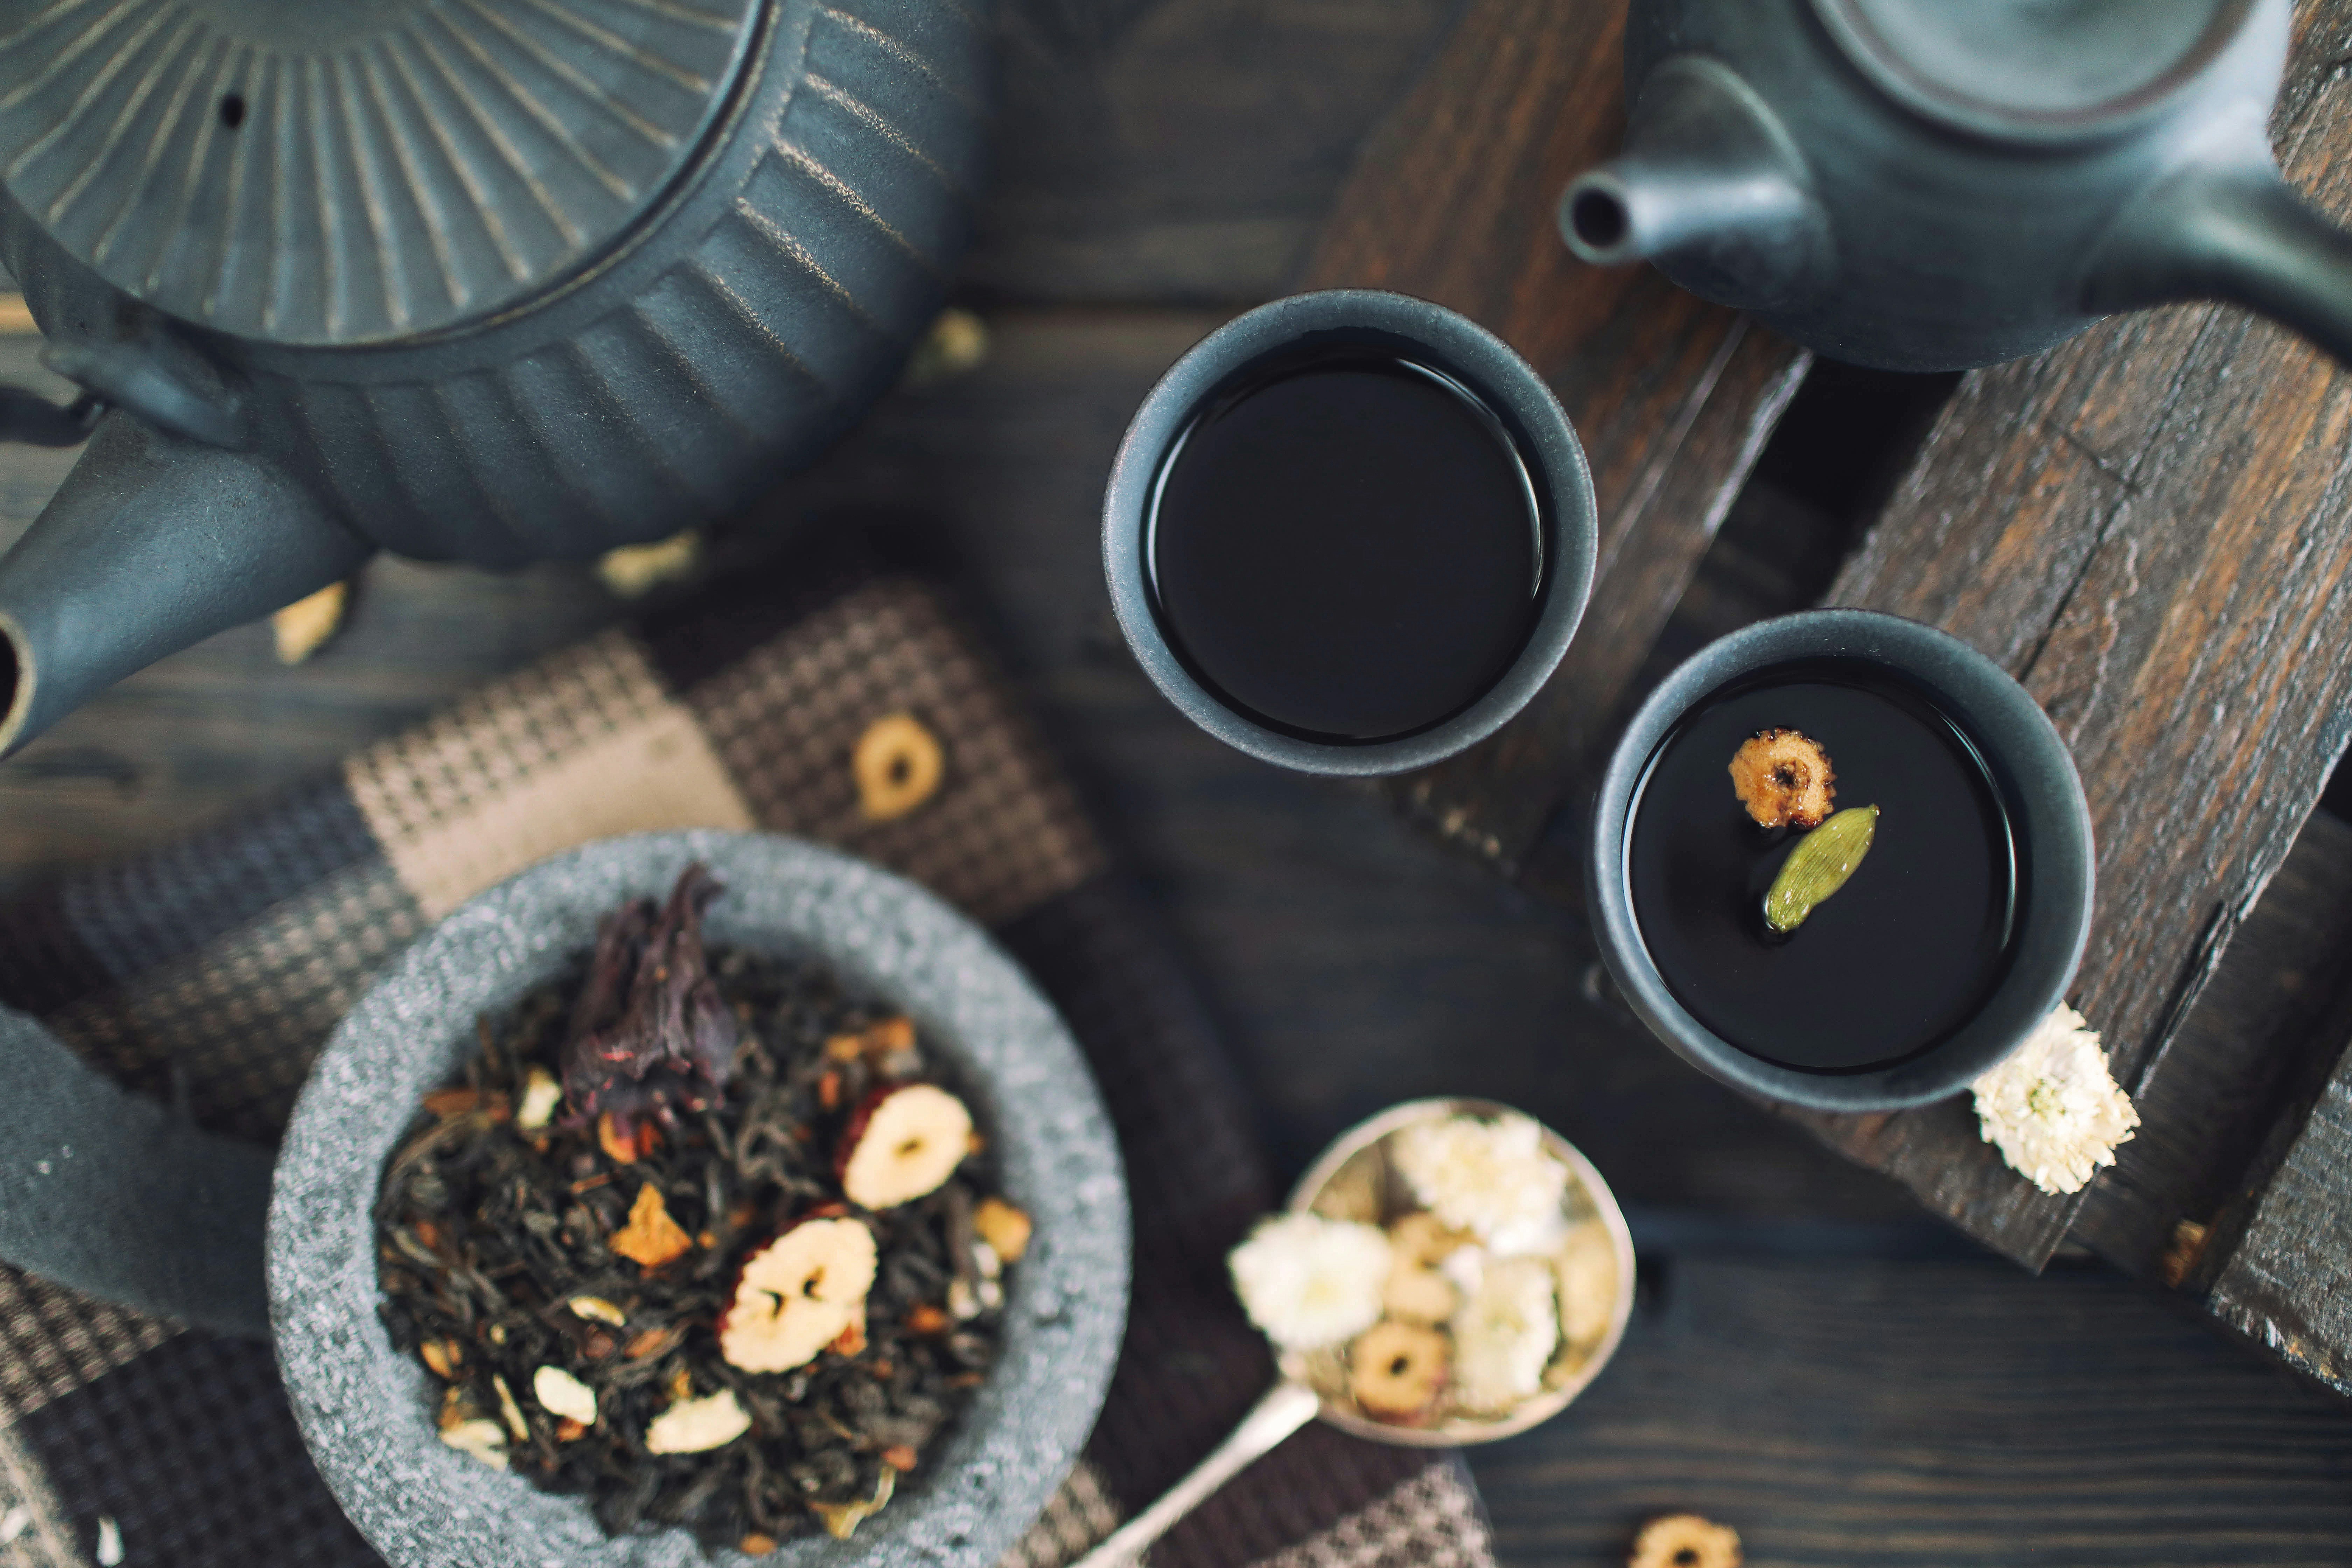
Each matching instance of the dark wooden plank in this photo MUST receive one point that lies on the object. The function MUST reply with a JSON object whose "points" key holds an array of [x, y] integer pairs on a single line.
{"points": [[1179, 150], [2147, 526], [2261, 1028], [2277, 1269], [1858, 1414], [1673, 397]]}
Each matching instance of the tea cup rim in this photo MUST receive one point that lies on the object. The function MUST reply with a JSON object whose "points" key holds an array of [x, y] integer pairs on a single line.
{"points": [[1458, 346], [2030, 765]]}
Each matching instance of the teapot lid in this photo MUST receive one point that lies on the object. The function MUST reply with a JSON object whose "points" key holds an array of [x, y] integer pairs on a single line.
{"points": [[2032, 70], [306, 172]]}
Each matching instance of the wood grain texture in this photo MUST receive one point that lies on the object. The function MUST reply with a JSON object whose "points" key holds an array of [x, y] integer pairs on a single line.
{"points": [[2147, 527], [2277, 1269], [2264, 1030], [1843, 1414], [1453, 200]]}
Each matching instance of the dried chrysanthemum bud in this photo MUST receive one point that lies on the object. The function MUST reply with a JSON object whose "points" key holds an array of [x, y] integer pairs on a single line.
{"points": [[1783, 779], [1495, 1179], [1505, 1334], [800, 1293], [1685, 1540], [1394, 1370], [2051, 1108], [697, 1425], [902, 1146], [1308, 1281]]}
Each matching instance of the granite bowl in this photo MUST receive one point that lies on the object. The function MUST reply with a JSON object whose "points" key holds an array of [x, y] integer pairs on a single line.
{"points": [[366, 1411], [2048, 815]]}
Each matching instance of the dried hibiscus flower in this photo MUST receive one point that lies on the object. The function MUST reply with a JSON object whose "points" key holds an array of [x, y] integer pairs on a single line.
{"points": [[650, 1033]]}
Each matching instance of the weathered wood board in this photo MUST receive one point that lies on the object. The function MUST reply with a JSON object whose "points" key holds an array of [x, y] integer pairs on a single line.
{"points": [[2149, 527], [1673, 397]]}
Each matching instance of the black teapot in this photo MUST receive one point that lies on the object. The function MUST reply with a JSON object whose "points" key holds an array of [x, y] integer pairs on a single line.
{"points": [[492, 282], [1934, 184]]}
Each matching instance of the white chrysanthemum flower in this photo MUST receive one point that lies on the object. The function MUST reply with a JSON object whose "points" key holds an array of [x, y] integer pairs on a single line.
{"points": [[2051, 1108], [1504, 1335], [1308, 1281], [1493, 1178]]}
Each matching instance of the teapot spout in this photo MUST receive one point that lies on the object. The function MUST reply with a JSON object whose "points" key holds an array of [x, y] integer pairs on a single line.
{"points": [[2230, 230], [155, 541], [1710, 188]]}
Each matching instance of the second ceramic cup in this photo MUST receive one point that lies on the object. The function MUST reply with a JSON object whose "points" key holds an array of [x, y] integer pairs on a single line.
{"points": [[1308, 533]]}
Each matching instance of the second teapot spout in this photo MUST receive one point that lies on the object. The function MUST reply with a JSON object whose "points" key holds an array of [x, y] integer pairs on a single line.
{"points": [[1710, 189]]}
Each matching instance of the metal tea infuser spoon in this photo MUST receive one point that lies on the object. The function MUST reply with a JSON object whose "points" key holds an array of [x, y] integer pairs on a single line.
{"points": [[1291, 1402]]}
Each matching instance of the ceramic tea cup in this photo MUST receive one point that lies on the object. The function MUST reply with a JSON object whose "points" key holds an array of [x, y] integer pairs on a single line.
{"points": [[1434, 341], [2047, 826]]}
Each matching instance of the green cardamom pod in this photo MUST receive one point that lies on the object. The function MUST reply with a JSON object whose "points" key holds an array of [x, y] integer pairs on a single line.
{"points": [[1819, 866]]}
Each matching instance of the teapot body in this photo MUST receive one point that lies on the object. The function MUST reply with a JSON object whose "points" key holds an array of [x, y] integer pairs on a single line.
{"points": [[763, 297], [1955, 176]]}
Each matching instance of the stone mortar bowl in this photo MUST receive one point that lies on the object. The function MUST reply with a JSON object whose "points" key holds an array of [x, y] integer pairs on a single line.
{"points": [[366, 1411]]}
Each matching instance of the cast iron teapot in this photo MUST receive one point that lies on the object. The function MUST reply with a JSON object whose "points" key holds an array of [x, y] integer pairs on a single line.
{"points": [[1934, 184], [493, 281]]}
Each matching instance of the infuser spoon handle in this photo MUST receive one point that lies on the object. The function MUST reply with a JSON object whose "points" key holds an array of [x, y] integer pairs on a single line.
{"points": [[1286, 1408]]}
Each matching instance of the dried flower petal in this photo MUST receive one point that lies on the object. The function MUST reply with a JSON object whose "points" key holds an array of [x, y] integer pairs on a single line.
{"points": [[2051, 1108], [510, 1412], [598, 1310], [110, 1542], [308, 624], [1308, 1281], [483, 1438], [560, 1394], [1003, 1228], [842, 1519], [540, 1095], [697, 1425], [651, 1238]]}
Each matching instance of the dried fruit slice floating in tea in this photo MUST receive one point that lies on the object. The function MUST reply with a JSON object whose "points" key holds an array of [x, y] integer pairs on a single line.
{"points": [[700, 1237]]}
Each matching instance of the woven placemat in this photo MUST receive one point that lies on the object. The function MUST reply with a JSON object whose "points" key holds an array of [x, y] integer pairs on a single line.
{"points": [[209, 974]]}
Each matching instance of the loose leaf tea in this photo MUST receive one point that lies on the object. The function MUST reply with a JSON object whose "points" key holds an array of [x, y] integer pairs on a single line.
{"points": [[1819, 866], [576, 1273]]}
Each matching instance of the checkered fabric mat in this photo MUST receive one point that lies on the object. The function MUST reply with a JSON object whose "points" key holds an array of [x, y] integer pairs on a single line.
{"points": [[211, 974]]}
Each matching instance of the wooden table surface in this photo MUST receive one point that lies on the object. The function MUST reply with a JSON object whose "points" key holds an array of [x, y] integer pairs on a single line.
{"points": [[1814, 1360]]}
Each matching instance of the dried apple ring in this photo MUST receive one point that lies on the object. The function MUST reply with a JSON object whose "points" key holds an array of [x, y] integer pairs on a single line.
{"points": [[898, 764], [1394, 1370]]}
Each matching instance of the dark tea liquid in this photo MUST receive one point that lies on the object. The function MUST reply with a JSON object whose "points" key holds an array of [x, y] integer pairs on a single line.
{"points": [[1345, 549], [1891, 964]]}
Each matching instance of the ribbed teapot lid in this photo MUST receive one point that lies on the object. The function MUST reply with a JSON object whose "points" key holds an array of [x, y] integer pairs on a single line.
{"points": [[341, 172]]}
